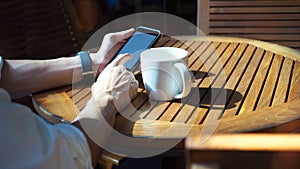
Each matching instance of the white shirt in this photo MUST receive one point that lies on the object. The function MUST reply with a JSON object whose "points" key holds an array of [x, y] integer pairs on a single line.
{"points": [[27, 141]]}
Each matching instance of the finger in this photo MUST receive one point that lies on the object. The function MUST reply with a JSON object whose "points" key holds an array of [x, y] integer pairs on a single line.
{"points": [[120, 36], [121, 59]]}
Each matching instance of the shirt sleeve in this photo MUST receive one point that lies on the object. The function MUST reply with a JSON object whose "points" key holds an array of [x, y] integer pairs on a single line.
{"points": [[1, 65], [27, 141]]}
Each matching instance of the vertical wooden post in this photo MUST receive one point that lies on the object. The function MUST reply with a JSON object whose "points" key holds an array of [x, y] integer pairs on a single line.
{"points": [[203, 16]]}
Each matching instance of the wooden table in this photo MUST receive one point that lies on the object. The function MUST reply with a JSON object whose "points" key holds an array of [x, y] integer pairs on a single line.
{"points": [[242, 85], [259, 81]]}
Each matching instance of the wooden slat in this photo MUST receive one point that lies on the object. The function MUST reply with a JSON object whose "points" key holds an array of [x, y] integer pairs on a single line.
{"points": [[253, 3], [230, 57], [294, 93], [263, 23], [198, 49], [254, 10], [235, 59], [256, 30], [268, 86], [267, 117], [241, 80], [247, 142], [258, 17], [283, 82], [264, 96]]}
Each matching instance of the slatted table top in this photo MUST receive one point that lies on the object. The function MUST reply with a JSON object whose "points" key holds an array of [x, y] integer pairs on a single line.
{"points": [[239, 85]]}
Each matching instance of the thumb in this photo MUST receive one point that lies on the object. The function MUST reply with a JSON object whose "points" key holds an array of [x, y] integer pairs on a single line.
{"points": [[121, 59]]}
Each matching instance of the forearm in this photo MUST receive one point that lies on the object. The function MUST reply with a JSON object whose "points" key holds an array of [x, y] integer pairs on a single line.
{"points": [[22, 77], [96, 123]]}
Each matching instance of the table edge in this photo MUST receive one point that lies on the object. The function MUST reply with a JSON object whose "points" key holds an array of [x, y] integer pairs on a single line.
{"points": [[276, 48]]}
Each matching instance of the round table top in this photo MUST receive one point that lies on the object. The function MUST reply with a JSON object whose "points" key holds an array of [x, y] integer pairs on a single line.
{"points": [[240, 84]]}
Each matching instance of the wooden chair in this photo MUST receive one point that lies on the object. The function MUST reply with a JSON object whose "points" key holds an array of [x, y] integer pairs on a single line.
{"points": [[230, 151], [38, 29], [275, 21]]}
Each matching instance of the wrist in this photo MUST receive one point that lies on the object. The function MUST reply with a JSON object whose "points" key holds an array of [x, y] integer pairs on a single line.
{"points": [[94, 62], [86, 63]]}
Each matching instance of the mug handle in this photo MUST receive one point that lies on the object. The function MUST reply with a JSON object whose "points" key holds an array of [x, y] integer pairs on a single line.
{"points": [[186, 80]]}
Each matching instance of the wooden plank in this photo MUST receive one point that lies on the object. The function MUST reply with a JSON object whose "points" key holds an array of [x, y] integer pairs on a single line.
{"points": [[84, 91], [267, 117], [294, 93], [270, 23], [257, 3], [268, 87], [140, 99], [191, 49], [240, 81], [246, 30], [231, 65], [254, 10], [230, 57], [274, 37], [246, 142], [283, 82], [261, 75], [258, 17], [198, 50]]}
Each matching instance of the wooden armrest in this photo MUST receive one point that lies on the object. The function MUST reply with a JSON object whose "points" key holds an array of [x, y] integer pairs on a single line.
{"points": [[107, 160], [246, 142], [232, 151]]}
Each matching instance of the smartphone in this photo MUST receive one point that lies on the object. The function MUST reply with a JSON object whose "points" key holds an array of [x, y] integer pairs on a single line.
{"points": [[143, 38]]}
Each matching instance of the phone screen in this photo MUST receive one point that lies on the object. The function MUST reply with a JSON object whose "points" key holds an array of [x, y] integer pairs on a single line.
{"points": [[138, 42]]}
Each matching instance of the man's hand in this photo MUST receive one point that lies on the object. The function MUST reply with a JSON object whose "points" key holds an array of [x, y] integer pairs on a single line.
{"points": [[111, 43], [116, 84]]}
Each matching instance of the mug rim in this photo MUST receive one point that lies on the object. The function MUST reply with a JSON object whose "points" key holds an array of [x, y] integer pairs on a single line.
{"points": [[185, 53]]}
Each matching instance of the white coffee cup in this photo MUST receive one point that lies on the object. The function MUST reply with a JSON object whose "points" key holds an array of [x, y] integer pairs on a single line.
{"points": [[165, 73]]}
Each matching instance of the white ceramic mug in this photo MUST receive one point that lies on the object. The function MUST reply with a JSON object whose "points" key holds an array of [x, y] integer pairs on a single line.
{"points": [[165, 73]]}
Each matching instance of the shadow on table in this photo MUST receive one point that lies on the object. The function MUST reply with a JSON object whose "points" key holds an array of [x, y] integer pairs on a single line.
{"points": [[206, 97]]}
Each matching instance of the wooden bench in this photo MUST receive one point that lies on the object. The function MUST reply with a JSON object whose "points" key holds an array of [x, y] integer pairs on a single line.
{"points": [[276, 21]]}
